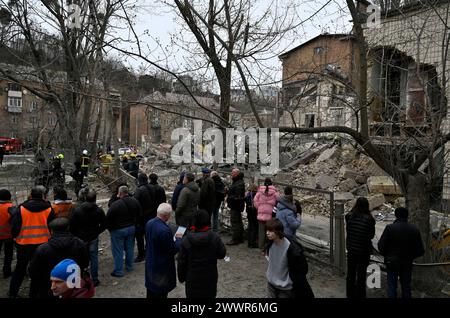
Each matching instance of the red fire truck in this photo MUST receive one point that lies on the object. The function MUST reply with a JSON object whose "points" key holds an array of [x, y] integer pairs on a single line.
{"points": [[11, 145]]}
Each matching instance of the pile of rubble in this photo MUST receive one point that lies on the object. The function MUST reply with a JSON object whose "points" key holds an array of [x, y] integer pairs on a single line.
{"points": [[349, 174]]}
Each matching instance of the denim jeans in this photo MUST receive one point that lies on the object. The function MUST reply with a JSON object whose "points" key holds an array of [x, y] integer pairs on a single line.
{"points": [[405, 282], [123, 240], [93, 257]]}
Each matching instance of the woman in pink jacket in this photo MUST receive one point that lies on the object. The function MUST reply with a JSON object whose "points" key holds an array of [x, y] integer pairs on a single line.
{"points": [[264, 202]]}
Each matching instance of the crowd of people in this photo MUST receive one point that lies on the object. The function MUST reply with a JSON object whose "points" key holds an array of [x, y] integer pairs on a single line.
{"points": [[58, 240]]}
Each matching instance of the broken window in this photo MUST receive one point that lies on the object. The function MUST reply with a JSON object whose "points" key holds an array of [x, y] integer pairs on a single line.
{"points": [[309, 120], [318, 50], [404, 93]]}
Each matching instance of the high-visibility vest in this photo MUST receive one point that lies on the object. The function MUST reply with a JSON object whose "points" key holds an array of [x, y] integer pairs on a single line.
{"points": [[5, 227], [34, 227], [62, 209], [85, 162]]}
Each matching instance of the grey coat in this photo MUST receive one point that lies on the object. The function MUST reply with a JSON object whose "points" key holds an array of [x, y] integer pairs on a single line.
{"points": [[187, 204]]}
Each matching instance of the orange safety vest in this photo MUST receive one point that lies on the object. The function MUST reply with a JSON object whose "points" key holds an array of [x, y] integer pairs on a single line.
{"points": [[62, 209], [5, 227], [34, 228]]}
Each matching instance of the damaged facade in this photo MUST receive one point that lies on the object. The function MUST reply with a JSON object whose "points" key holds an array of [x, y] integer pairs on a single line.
{"points": [[405, 77], [319, 79], [150, 125], [25, 116]]}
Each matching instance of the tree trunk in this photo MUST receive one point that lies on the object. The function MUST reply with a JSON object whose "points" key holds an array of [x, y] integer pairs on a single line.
{"points": [[418, 203], [84, 129]]}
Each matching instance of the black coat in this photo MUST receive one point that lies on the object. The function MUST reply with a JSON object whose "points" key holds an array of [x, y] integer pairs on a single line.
{"points": [[360, 232], [160, 197], [123, 213], [61, 245], [298, 268], [197, 263], [236, 194], [207, 195], [145, 194], [87, 221], [400, 244], [220, 190]]}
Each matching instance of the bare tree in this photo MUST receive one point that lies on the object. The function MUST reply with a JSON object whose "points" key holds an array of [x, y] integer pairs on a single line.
{"points": [[77, 51]]}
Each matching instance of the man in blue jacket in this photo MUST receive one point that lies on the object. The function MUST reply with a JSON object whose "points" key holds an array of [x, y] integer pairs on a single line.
{"points": [[160, 274]]}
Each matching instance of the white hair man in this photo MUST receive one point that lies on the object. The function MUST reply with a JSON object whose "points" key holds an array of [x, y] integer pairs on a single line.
{"points": [[160, 276]]}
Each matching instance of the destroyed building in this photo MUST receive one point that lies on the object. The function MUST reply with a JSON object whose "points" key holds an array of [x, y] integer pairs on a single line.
{"points": [[149, 124], [319, 82], [405, 75]]}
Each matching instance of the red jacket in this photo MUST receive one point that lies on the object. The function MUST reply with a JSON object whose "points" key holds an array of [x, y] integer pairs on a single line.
{"points": [[87, 290]]}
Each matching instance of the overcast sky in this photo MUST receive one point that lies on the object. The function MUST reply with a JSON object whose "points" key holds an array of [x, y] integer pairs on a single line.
{"points": [[157, 24]]}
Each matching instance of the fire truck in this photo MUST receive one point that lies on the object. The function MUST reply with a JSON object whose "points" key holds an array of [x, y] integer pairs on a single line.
{"points": [[11, 145]]}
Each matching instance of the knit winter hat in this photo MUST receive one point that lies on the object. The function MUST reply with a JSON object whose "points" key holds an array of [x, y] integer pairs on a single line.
{"points": [[5, 195], [63, 271]]}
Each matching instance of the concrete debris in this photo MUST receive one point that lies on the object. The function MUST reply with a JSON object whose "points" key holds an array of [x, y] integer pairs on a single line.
{"points": [[328, 154], [343, 196], [361, 191], [348, 185], [400, 202], [361, 179], [325, 182], [347, 173], [376, 200], [384, 185]]}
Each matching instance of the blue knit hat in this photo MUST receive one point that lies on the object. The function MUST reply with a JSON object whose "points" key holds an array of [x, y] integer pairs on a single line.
{"points": [[206, 170], [61, 270]]}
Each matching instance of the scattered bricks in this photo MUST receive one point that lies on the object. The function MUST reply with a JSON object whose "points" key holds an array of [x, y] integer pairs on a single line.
{"points": [[376, 201], [347, 173], [347, 185], [328, 154], [384, 185], [343, 196]]}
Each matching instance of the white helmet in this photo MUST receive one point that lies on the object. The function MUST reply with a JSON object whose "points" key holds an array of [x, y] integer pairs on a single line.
{"points": [[85, 152]]}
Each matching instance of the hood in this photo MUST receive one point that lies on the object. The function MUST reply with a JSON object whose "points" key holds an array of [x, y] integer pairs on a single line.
{"points": [[142, 179], [199, 238], [181, 177], [272, 190], [219, 186], [36, 205], [88, 206], [192, 186], [63, 241], [286, 201], [240, 176]]}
